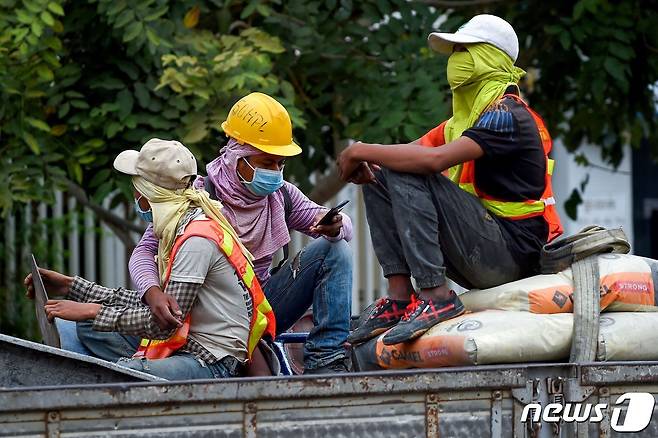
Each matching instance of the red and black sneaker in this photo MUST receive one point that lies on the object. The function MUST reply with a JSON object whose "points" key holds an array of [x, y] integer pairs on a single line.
{"points": [[381, 316], [422, 315]]}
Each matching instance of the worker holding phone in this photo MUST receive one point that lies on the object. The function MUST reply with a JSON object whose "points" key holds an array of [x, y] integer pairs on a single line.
{"points": [[247, 178]]}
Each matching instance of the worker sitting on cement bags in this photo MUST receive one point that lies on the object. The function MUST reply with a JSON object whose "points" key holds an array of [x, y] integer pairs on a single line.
{"points": [[221, 318], [477, 209], [247, 178]]}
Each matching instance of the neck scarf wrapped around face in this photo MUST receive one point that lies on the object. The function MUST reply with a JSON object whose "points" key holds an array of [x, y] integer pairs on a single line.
{"points": [[168, 208], [258, 220], [478, 78]]}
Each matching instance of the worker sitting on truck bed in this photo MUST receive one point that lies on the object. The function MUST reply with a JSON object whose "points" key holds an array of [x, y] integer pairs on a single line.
{"points": [[484, 223], [247, 178], [199, 255]]}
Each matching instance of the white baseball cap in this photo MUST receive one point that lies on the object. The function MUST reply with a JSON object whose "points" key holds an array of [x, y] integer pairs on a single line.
{"points": [[165, 163], [483, 28]]}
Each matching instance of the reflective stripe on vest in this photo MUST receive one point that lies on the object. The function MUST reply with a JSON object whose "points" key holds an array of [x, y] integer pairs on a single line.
{"points": [[262, 317], [508, 209]]}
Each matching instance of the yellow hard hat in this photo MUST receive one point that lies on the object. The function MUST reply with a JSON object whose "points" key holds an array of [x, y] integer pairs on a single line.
{"points": [[262, 122]]}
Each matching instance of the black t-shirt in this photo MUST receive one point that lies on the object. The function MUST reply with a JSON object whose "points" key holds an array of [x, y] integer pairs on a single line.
{"points": [[513, 168]]}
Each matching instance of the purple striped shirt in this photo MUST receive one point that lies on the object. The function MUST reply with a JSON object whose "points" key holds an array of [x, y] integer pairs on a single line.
{"points": [[144, 271]]}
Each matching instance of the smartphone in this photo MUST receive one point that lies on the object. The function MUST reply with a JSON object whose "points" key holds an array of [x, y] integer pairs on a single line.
{"points": [[327, 219]]}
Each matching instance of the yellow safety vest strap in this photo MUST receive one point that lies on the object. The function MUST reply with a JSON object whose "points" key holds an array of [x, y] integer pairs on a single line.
{"points": [[508, 209]]}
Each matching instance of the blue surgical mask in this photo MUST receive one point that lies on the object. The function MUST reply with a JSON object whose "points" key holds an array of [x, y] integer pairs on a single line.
{"points": [[264, 182], [145, 215]]}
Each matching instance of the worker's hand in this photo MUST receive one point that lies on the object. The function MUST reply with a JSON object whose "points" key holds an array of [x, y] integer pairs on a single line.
{"points": [[56, 284], [347, 161], [364, 174], [71, 310], [164, 308], [331, 230]]}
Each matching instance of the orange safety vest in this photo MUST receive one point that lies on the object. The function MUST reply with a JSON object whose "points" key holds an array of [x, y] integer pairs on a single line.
{"points": [[262, 317], [464, 175]]}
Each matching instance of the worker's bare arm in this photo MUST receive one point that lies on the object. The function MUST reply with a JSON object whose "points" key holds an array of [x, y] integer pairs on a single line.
{"points": [[411, 157]]}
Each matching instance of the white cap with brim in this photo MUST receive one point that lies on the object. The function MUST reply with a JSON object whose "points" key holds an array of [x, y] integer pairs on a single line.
{"points": [[479, 29], [165, 163]]}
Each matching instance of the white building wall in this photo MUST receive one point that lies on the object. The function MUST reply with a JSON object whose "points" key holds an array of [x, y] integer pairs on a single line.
{"points": [[608, 196]]}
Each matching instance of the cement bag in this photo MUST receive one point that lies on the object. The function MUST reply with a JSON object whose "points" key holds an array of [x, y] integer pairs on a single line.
{"points": [[627, 283], [628, 336], [491, 336]]}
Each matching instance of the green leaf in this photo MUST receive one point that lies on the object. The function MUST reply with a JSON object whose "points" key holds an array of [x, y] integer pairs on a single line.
{"points": [[36, 123], [54, 43], [197, 131], [95, 143], [47, 18], [143, 95], [76, 171], [125, 102], [23, 17], [621, 51], [88, 159], [30, 94], [133, 31], [117, 6], [157, 14], [55, 8], [264, 10], [615, 69], [578, 9], [129, 69], [45, 73], [107, 82], [74, 94], [37, 29], [112, 129], [250, 9], [80, 104], [32, 6], [565, 39], [32, 143], [100, 177], [63, 110], [124, 18], [391, 118], [263, 41], [152, 36]]}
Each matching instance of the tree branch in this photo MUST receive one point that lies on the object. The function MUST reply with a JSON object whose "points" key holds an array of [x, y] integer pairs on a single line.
{"points": [[300, 90], [120, 226], [327, 187]]}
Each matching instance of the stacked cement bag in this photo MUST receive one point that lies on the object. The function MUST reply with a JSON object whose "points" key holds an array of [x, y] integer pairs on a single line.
{"points": [[530, 320], [628, 336], [627, 283], [491, 336], [498, 336]]}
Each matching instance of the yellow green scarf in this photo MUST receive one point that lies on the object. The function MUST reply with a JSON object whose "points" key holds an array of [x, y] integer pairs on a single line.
{"points": [[478, 78], [169, 206]]}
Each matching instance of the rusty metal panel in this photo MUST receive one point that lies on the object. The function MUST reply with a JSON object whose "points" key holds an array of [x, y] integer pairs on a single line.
{"points": [[247, 389], [393, 415], [375, 416], [24, 363], [619, 373], [470, 401]]}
